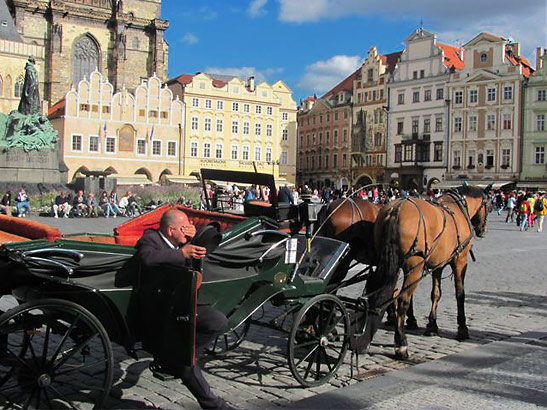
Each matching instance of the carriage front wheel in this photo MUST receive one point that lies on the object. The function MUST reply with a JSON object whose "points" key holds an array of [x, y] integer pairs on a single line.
{"points": [[53, 354], [318, 341]]}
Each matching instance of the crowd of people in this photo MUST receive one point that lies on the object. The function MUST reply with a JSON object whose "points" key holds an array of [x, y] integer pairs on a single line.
{"points": [[527, 209]]}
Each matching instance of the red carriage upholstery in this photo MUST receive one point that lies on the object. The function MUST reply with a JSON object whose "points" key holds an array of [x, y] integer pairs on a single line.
{"points": [[130, 232], [28, 229], [9, 237]]}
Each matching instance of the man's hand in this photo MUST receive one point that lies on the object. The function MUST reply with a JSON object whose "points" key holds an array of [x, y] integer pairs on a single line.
{"points": [[189, 230], [193, 251]]}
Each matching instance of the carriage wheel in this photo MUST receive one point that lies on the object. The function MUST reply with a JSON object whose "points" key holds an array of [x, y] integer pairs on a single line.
{"points": [[230, 340], [53, 354], [318, 340]]}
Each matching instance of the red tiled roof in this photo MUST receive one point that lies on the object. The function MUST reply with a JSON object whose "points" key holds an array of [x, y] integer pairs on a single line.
{"points": [[57, 110], [185, 79], [452, 56], [390, 60], [310, 98], [527, 69], [344, 85]]}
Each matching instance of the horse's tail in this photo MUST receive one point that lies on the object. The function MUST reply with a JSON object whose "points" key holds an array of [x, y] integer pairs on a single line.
{"points": [[381, 282]]}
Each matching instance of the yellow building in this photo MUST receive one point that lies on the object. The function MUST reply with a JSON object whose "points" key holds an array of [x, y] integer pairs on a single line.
{"points": [[136, 136], [237, 125]]}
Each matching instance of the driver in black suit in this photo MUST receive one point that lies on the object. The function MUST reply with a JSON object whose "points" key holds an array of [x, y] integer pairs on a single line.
{"points": [[170, 244]]}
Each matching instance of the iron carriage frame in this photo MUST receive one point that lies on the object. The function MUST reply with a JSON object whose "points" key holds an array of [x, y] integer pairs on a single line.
{"points": [[76, 297]]}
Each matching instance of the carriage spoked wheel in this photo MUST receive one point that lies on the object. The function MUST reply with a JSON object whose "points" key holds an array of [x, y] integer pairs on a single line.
{"points": [[319, 340], [230, 340], [53, 354]]}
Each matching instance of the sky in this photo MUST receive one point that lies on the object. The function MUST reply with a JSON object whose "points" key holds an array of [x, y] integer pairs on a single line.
{"points": [[311, 45]]}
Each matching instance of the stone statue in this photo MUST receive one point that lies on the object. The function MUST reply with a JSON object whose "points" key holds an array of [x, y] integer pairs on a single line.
{"points": [[30, 97]]}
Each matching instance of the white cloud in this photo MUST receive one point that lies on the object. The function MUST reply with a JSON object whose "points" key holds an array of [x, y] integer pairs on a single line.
{"points": [[256, 8], [189, 39], [321, 76], [264, 75]]}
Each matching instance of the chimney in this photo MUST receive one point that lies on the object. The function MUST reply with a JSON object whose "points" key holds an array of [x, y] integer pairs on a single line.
{"points": [[251, 83], [539, 58]]}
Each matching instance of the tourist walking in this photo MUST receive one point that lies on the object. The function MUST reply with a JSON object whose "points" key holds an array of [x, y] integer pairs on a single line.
{"points": [[511, 204], [540, 209], [524, 212]]}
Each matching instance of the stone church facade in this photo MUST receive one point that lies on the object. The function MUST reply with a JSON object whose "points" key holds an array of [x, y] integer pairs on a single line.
{"points": [[124, 39]]}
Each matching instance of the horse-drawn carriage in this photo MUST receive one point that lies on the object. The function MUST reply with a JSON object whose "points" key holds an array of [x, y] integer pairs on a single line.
{"points": [[71, 298]]}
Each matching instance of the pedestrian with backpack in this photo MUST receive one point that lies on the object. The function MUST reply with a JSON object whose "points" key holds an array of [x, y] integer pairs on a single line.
{"points": [[524, 211], [540, 209]]}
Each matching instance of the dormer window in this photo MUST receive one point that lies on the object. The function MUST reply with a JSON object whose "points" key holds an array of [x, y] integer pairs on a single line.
{"points": [[484, 57]]}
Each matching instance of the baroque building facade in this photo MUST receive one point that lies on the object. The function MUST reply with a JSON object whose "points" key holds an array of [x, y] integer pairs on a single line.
{"points": [[534, 161], [237, 124], [135, 136], [486, 103], [369, 130], [324, 138], [122, 38]]}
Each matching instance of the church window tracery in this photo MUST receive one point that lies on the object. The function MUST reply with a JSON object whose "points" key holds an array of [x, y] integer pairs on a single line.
{"points": [[85, 54]]}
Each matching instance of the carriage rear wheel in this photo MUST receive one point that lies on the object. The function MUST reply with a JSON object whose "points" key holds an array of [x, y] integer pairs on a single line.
{"points": [[53, 354], [318, 341]]}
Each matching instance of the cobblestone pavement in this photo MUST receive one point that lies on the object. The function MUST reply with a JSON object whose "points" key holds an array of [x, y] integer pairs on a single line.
{"points": [[505, 296]]}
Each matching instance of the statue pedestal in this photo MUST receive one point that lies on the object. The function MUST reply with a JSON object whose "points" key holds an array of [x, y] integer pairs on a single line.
{"points": [[43, 166]]}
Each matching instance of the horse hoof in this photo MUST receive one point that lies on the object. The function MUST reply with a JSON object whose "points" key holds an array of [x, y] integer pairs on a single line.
{"points": [[431, 332], [401, 353], [463, 334], [412, 324]]}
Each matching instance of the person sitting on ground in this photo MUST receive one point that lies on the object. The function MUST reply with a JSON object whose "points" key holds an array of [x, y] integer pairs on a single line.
{"points": [[170, 244], [23, 203], [79, 204], [5, 203], [114, 202], [61, 205], [91, 205], [124, 204], [133, 207], [104, 202]]}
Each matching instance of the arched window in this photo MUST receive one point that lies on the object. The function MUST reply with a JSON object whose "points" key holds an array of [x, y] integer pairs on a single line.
{"points": [[8, 86], [18, 87], [85, 55]]}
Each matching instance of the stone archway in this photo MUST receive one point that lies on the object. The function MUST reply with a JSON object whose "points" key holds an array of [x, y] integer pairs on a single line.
{"points": [[163, 176], [144, 171], [80, 172], [363, 180]]}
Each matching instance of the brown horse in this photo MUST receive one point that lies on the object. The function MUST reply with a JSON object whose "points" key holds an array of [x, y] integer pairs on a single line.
{"points": [[422, 236]]}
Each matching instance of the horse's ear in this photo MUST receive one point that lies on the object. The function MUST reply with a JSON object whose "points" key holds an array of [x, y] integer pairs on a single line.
{"points": [[465, 183], [488, 188]]}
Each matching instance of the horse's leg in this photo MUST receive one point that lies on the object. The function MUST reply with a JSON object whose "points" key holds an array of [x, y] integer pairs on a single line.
{"points": [[459, 267], [409, 284], [432, 329], [411, 322]]}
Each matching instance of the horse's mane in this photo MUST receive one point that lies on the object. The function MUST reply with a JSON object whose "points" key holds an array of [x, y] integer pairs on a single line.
{"points": [[469, 190]]}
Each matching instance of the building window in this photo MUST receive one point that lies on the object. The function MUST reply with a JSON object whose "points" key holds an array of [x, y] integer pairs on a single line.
{"points": [[422, 73], [506, 157], [440, 93], [370, 74], [471, 158], [194, 149], [284, 157], [268, 155], [84, 107], [398, 153], [246, 128], [235, 152], [220, 125], [506, 121], [220, 105], [540, 122], [195, 102], [110, 143], [247, 108], [195, 123], [207, 124], [141, 147], [438, 151], [258, 129], [235, 106], [106, 109], [473, 123], [285, 116], [269, 110], [285, 135], [415, 128], [378, 139], [335, 160], [156, 147], [269, 130], [457, 124], [85, 57], [416, 96], [208, 104], [438, 124], [327, 137], [427, 126], [457, 159], [400, 127], [164, 115], [491, 94], [458, 97], [427, 95], [542, 95], [171, 148], [258, 109], [483, 57], [152, 114], [490, 122], [401, 99], [218, 151], [489, 158], [540, 155], [235, 127], [415, 75], [206, 150], [473, 96], [335, 137], [508, 92], [93, 143], [344, 160], [345, 137], [408, 152], [258, 154], [245, 153], [77, 142]]}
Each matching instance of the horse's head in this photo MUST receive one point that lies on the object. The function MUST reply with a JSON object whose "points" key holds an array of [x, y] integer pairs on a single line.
{"points": [[478, 202]]}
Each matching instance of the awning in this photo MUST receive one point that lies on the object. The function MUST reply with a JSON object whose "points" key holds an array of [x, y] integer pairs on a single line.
{"points": [[190, 180], [136, 179], [282, 182], [447, 185], [531, 184], [480, 184]]}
